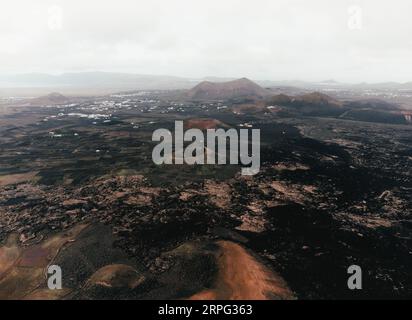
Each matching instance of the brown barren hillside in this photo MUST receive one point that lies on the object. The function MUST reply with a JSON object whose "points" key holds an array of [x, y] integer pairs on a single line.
{"points": [[309, 99], [241, 88], [242, 277], [204, 123], [315, 103], [53, 98]]}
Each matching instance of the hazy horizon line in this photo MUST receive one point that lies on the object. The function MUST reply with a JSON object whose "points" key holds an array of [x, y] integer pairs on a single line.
{"points": [[194, 78]]}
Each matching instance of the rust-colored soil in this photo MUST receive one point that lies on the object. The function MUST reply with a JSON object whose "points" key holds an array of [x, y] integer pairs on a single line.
{"points": [[243, 277], [17, 178], [23, 269], [204, 124]]}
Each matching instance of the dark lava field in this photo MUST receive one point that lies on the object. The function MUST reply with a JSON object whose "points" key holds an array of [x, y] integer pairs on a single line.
{"points": [[78, 189]]}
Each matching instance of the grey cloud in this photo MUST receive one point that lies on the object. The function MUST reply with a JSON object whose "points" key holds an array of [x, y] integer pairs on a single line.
{"points": [[265, 39]]}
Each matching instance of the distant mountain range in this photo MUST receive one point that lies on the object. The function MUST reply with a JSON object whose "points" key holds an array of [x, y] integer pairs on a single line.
{"points": [[253, 98], [124, 81], [332, 84], [249, 97], [117, 81]]}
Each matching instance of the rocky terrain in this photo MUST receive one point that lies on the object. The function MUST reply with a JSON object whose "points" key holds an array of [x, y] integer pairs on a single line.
{"points": [[320, 104], [78, 189]]}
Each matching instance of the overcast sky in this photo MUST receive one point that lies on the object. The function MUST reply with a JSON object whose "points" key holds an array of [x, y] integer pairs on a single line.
{"points": [[352, 41]]}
